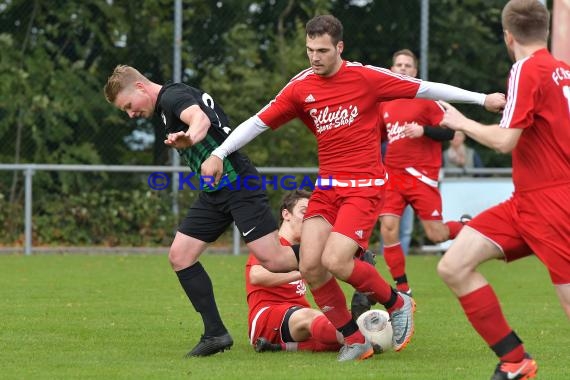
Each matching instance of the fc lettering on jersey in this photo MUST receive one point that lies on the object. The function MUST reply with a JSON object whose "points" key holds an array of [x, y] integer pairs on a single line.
{"points": [[559, 74]]}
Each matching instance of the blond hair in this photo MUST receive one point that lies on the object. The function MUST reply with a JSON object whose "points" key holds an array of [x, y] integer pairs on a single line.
{"points": [[527, 20], [122, 77]]}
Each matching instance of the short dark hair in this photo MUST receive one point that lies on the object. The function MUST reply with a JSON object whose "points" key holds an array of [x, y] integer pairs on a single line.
{"points": [[527, 20], [407, 52], [325, 24], [290, 200]]}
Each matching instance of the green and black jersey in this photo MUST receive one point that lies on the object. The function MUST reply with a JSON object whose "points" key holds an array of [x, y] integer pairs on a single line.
{"points": [[176, 97]]}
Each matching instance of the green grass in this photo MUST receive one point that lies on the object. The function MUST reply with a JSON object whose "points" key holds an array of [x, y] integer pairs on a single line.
{"points": [[126, 317]]}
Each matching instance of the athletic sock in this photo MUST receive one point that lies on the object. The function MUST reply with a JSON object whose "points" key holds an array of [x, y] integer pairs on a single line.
{"points": [[510, 348], [323, 330], [198, 287], [314, 346], [332, 302], [483, 310], [394, 303], [402, 283], [396, 261], [454, 228], [366, 279]]}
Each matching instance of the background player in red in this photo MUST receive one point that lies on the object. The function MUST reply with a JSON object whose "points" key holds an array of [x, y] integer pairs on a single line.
{"points": [[280, 316], [413, 161], [536, 127], [337, 100]]}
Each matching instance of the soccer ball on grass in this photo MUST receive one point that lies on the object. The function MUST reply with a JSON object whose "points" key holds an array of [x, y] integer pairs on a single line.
{"points": [[375, 325]]}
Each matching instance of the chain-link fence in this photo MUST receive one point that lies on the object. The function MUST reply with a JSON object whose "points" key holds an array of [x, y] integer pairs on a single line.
{"points": [[57, 55]]}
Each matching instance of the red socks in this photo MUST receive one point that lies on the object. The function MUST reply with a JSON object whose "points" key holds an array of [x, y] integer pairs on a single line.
{"points": [[323, 330], [312, 345], [454, 228], [484, 312], [365, 278], [332, 302], [396, 261]]}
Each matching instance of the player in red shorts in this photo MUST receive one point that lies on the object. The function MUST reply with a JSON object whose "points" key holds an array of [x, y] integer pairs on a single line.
{"points": [[413, 161], [280, 317], [337, 100], [535, 127]]}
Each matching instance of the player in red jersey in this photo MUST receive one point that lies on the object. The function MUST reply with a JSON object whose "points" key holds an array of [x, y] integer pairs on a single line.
{"points": [[280, 317], [337, 100], [536, 220], [413, 161]]}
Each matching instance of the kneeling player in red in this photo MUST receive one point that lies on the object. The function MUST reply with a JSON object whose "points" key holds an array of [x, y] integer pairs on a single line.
{"points": [[280, 317]]}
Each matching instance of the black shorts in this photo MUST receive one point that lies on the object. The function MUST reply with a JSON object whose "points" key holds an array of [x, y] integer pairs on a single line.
{"points": [[213, 212]]}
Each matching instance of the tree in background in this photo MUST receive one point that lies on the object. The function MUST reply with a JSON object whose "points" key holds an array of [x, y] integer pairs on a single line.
{"points": [[57, 55]]}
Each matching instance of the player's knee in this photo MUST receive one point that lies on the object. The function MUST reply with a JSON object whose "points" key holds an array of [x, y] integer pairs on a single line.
{"points": [[443, 270], [313, 274], [307, 270], [175, 258], [437, 233], [448, 272], [302, 319], [335, 264], [389, 231], [437, 237], [179, 259]]}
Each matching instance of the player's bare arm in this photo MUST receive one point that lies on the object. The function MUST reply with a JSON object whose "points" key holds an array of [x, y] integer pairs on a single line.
{"points": [[260, 276], [198, 123], [500, 139]]}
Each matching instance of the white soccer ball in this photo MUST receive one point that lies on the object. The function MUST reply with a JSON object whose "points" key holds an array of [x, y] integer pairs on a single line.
{"points": [[375, 325]]}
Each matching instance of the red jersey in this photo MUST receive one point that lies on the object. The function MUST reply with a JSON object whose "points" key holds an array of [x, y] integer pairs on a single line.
{"points": [[402, 151], [260, 296], [538, 101], [341, 111]]}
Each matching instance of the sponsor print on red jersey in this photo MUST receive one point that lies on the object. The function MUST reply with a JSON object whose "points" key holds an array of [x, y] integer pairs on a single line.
{"points": [[341, 111], [259, 296], [538, 101], [402, 151]]}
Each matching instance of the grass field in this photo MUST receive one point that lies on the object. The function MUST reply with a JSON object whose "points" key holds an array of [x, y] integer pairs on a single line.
{"points": [[126, 317]]}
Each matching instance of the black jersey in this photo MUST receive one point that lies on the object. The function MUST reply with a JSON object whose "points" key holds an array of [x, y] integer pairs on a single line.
{"points": [[176, 97]]}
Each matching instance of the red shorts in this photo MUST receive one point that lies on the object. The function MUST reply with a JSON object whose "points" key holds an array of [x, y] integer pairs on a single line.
{"points": [[532, 222], [404, 188], [267, 321], [352, 211]]}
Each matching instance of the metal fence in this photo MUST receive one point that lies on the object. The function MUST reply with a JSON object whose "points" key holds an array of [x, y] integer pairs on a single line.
{"points": [[29, 170]]}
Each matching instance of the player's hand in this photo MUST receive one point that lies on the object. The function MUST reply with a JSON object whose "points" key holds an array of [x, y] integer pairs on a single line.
{"points": [[413, 130], [452, 118], [213, 167], [495, 102], [178, 140]]}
